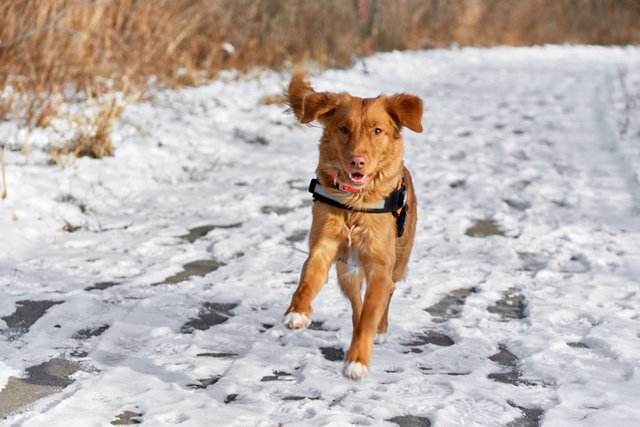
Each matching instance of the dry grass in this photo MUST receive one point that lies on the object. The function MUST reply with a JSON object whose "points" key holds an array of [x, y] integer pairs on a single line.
{"points": [[93, 132], [47, 44], [53, 49]]}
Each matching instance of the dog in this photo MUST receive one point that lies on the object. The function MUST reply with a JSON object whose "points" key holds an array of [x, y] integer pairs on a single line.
{"points": [[364, 213]]}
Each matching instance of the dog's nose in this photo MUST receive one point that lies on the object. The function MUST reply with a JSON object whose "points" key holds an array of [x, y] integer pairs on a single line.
{"points": [[358, 162]]}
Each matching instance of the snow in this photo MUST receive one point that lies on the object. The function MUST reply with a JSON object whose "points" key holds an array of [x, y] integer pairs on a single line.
{"points": [[522, 300]]}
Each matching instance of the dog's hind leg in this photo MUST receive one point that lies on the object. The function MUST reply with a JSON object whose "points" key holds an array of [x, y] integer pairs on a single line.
{"points": [[381, 333], [376, 300], [350, 279]]}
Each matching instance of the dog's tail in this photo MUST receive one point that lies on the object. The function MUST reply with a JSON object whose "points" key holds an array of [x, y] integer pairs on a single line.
{"points": [[299, 87]]}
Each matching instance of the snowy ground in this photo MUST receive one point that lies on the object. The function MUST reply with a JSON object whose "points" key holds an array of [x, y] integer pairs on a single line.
{"points": [[164, 304]]}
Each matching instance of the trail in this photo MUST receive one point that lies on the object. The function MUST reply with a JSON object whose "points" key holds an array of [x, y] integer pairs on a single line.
{"points": [[521, 303]]}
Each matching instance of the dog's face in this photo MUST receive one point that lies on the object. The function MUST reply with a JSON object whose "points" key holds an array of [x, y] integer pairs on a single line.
{"points": [[362, 137]]}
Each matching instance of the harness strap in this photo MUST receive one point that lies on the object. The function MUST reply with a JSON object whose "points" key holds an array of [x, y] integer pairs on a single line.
{"points": [[395, 203]]}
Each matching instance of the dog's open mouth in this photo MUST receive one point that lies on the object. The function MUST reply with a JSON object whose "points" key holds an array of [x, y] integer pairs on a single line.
{"points": [[358, 179]]}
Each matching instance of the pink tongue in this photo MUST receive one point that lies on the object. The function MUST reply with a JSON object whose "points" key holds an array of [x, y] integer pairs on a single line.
{"points": [[357, 176]]}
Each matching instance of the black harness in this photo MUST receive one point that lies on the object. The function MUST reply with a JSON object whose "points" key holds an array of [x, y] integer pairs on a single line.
{"points": [[395, 203]]}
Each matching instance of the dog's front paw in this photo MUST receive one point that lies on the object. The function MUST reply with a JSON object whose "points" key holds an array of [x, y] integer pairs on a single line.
{"points": [[296, 320], [355, 370]]}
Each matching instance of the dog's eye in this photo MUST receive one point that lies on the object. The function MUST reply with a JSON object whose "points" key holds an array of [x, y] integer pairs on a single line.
{"points": [[377, 131], [344, 130]]}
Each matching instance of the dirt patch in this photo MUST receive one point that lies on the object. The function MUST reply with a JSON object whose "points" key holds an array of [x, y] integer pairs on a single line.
{"points": [[101, 286], [27, 313], [277, 376], [278, 210], [41, 381], [84, 334], [531, 417], [126, 418], [511, 306], [196, 268], [410, 421], [201, 231], [430, 337], [218, 355], [332, 354], [451, 305], [205, 382], [211, 314], [484, 228], [297, 236]]}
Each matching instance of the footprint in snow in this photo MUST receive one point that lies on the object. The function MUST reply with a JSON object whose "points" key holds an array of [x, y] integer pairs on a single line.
{"points": [[195, 268], [510, 307], [531, 417], [508, 360], [101, 286], [517, 204], [277, 376], [533, 262], [86, 333], [319, 325], [84, 336], [297, 236], [451, 305], [278, 210], [196, 233], [575, 264], [428, 337], [202, 384], [211, 314], [332, 354], [511, 373]]}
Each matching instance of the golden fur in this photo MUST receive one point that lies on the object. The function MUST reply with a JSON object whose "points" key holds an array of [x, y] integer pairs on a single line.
{"points": [[374, 133]]}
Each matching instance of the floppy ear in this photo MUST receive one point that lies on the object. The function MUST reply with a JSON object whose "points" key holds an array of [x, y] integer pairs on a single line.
{"points": [[406, 110], [317, 104], [298, 88]]}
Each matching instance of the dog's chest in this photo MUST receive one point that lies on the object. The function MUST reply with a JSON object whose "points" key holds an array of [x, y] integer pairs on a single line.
{"points": [[349, 253], [361, 233]]}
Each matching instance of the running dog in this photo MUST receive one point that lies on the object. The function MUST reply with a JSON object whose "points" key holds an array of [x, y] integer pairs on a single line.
{"points": [[364, 215]]}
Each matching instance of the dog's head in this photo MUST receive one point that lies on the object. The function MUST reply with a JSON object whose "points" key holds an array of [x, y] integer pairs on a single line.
{"points": [[361, 143]]}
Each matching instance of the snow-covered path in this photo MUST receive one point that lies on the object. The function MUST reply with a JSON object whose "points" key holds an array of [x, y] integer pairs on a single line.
{"points": [[521, 306]]}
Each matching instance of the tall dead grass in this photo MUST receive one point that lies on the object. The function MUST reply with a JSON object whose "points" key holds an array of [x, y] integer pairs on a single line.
{"points": [[47, 44], [51, 50]]}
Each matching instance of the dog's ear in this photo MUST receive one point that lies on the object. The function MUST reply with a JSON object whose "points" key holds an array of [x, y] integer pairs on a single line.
{"points": [[318, 104], [406, 110], [299, 87]]}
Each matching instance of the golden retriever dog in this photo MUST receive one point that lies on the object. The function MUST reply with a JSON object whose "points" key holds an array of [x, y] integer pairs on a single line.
{"points": [[364, 215]]}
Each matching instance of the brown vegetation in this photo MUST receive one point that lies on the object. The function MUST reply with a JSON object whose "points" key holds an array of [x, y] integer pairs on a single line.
{"points": [[45, 44], [93, 133], [50, 49]]}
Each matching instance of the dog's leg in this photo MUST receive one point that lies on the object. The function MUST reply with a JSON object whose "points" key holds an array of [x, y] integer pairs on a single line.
{"points": [[381, 334], [376, 300], [350, 279], [314, 275]]}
